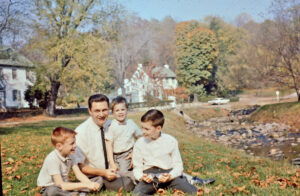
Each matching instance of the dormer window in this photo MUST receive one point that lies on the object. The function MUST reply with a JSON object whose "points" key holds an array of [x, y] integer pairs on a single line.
{"points": [[14, 73]]}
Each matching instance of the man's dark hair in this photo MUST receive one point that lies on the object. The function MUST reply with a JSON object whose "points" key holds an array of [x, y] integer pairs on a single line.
{"points": [[155, 116], [117, 100], [97, 98]]}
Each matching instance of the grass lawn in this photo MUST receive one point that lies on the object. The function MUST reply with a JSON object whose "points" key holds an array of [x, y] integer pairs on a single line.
{"points": [[205, 113], [24, 148]]}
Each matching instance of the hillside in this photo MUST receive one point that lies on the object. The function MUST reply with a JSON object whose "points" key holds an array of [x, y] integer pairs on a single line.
{"points": [[287, 113]]}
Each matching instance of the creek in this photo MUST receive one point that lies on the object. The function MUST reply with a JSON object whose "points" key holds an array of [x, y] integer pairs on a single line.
{"points": [[274, 140]]}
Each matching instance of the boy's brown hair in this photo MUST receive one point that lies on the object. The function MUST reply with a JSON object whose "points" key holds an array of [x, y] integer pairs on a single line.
{"points": [[118, 100], [155, 116], [61, 134]]}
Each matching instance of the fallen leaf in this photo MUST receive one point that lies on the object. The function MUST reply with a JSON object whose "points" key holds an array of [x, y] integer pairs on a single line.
{"points": [[283, 185], [236, 175], [241, 189], [18, 177], [228, 168], [177, 192], [200, 191], [161, 191]]}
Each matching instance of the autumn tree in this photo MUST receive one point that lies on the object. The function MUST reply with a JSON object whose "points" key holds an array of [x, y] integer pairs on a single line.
{"points": [[232, 61], [196, 52], [284, 42], [62, 52], [281, 44], [163, 48], [13, 15], [126, 48]]}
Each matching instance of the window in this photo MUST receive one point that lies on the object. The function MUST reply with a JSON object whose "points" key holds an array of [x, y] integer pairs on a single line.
{"points": [[14, 73], [16, 95]]}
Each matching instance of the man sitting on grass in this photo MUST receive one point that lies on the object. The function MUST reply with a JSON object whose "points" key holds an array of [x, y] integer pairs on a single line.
{"points": [[156, 159], [53, 177]]}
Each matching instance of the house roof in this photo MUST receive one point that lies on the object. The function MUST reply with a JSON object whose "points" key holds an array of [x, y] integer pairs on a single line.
{"points": [[11, 58], [163, 72]]}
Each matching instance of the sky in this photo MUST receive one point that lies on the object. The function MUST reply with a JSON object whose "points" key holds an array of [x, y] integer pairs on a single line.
{"points": [[183, 10]]}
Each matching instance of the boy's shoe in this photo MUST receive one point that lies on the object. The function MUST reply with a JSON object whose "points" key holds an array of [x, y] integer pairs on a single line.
{"points": [[199, 181]]}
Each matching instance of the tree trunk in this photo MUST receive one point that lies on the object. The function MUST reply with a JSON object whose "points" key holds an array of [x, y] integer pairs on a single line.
{"points": [[53, 96]]}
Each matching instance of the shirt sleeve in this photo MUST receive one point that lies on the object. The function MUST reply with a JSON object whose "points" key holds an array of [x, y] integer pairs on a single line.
{"points": [[176, 161], [78, 157], [52, 166], [137, 131], [82, 144], [137, 161]]}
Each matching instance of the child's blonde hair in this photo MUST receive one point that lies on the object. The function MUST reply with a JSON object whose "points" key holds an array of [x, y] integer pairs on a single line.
{"points": [[61, 134]]}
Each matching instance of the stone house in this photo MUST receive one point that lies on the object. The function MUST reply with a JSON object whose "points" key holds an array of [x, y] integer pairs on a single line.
{"points": [[15, 76]]}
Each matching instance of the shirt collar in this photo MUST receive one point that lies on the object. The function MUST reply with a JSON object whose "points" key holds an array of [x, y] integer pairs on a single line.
{"points": [[95, 126], [122, 123], [63, 159]]}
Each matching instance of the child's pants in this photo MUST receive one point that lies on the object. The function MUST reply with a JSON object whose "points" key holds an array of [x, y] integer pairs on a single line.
{"points": [[124, 164]]}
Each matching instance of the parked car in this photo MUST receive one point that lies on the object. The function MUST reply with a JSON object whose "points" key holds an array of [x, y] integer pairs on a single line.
{"points": [[218, 101]]}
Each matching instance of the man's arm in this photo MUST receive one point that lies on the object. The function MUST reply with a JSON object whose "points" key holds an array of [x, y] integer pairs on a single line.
{"points": [[109, 174]]}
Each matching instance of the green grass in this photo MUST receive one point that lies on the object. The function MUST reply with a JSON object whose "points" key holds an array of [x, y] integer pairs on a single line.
{"points": [[200, 114], [25, 147]]}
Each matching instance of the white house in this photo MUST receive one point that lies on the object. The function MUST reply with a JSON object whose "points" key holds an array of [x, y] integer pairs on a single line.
{"points": [[151, 82], [15, 76]]}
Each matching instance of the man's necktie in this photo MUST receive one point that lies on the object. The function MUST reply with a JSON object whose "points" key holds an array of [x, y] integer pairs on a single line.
{"points": [[104, 148]]}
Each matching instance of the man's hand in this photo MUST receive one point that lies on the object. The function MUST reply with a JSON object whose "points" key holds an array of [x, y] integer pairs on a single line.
{"points": [[163, 178], [94, 186], [110, 174], [147, 178]]}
